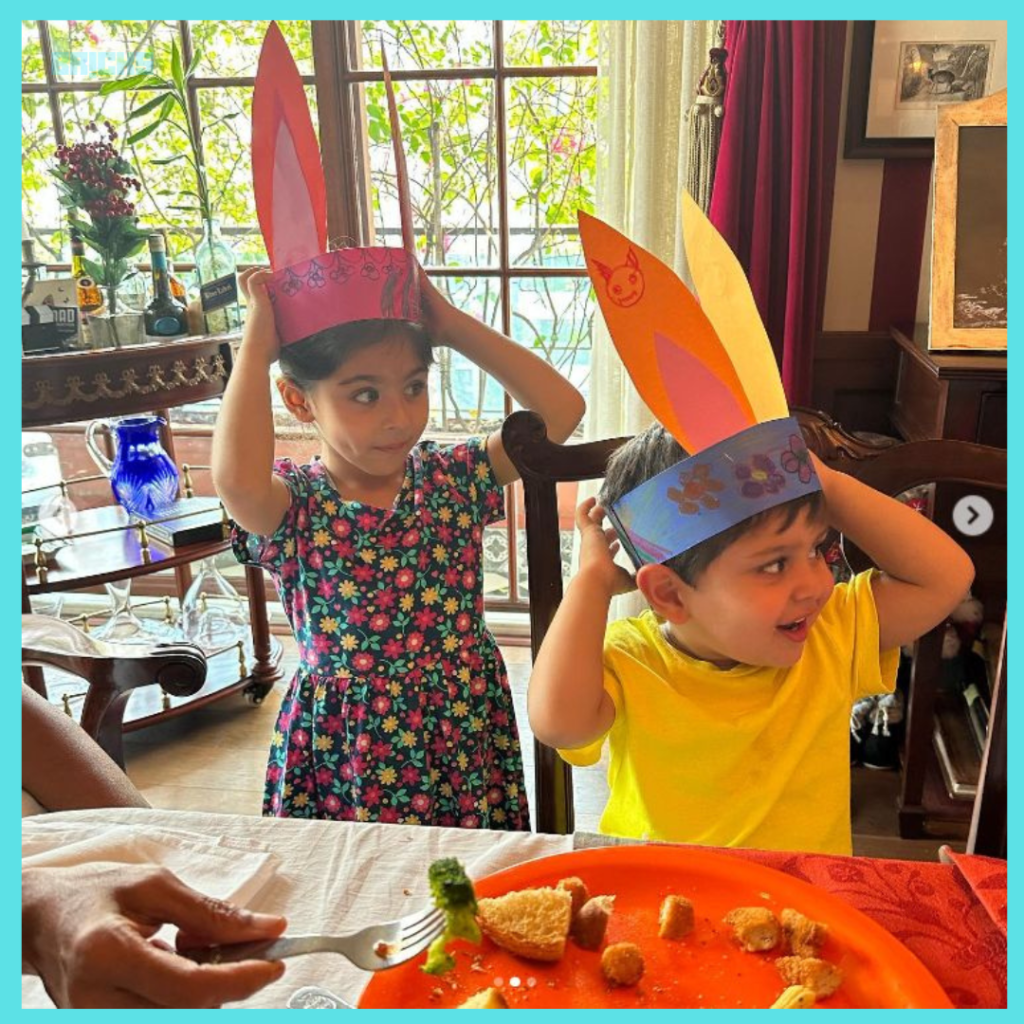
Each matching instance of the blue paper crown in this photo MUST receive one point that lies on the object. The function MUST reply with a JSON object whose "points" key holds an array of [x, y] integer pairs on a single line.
{"points": [[703, 495]]}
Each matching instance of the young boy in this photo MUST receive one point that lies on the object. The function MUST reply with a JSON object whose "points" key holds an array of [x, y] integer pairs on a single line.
{"points": [[727, 704]]}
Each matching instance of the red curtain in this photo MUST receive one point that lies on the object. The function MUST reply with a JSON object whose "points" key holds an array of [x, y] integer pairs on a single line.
{"points": [[772, 198]]}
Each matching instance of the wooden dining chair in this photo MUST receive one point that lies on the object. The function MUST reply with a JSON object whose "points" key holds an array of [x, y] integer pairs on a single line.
{"points": [[112, 671], [889, 466]]}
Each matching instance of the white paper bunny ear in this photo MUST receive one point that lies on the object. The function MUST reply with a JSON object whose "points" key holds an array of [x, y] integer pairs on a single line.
{"points": [[288, 180], [313, 289]]}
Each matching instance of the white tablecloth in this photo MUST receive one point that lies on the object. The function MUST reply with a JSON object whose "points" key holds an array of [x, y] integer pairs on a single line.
{"points": [[330, 876]]}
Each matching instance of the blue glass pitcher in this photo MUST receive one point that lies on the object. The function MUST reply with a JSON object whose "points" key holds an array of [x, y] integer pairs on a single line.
{"points": [[142, 476]]}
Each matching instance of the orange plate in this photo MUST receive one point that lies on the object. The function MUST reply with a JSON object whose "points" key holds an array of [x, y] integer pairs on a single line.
{"points": [[706, 969]]}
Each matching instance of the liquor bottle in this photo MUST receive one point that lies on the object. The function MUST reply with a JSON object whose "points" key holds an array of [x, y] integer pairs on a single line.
{"points": [[89, 296], [177, 288], [165, 315]]}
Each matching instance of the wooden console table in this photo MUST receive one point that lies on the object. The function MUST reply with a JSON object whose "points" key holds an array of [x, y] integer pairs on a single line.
{"points": [[73, 386]]}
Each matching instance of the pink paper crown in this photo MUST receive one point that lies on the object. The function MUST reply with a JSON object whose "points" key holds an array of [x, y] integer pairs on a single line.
{"points": [[312, 289]]}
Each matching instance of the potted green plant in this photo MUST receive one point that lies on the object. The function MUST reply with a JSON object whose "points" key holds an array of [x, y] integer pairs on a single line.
{"points": [[169, 105], [95, 182]]}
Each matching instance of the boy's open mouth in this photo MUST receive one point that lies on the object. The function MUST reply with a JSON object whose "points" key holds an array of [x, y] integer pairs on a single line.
{"points": [[795, 630]]}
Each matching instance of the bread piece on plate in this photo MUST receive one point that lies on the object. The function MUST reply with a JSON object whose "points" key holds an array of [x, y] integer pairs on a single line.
{"points": [[819, 975], [532, 923], [803, 937], [675, 920], [756, 928]]}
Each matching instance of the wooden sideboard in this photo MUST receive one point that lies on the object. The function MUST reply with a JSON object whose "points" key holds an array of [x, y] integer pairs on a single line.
{"points": [[69, 387]]}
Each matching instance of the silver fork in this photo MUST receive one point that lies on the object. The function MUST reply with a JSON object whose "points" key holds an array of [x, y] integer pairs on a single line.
{"points": [[375, 948]]}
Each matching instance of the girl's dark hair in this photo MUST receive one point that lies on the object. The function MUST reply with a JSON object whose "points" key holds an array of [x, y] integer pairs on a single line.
{"points": [[317, 357], [655, 450]]}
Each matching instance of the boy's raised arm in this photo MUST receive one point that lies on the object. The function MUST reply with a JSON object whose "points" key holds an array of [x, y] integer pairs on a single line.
{"points": [[566, 700], [925, 573]]}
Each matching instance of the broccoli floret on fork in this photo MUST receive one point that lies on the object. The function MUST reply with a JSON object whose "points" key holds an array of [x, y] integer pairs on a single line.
{"points": [[453, 893]]}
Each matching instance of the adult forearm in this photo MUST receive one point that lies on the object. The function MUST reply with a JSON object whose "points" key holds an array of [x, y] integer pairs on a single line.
{"points": [[532, 382], [566, 698], [243, 440]]}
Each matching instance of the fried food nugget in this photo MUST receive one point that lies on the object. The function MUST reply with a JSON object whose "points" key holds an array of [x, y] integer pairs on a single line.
{"points": [[801, 935], [756, 928], [578, 890], [589, 925], [818, 975], [622, 963], [675, 920]]}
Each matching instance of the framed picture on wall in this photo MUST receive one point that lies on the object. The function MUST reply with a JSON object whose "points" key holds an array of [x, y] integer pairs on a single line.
{"points": [[969, 233], [903, 72]]}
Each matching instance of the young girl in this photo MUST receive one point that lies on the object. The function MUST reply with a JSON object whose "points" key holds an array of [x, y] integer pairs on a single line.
{"points": [[400, 709]]}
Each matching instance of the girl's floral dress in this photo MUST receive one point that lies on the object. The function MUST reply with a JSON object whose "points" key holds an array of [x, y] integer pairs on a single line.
{"points": [[400, 710]]}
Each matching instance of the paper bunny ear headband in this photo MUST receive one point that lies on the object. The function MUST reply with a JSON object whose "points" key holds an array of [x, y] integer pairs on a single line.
{"points": [[312, 289], [708, 373]]}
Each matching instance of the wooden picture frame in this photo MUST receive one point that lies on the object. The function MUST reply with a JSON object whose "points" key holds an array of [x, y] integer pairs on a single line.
{"points": [[969, 227], [901, 72]]}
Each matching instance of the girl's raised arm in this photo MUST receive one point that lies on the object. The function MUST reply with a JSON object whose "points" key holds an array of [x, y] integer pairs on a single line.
{"points": [[243, 439], [532, 382]]}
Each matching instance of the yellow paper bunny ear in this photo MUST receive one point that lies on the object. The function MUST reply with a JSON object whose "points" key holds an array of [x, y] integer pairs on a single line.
{"points": [[726, 298], [668, 345]]}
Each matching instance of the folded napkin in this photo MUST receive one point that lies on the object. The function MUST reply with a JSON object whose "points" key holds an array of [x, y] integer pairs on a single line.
{"points": [[987, 877], [229, 869]]}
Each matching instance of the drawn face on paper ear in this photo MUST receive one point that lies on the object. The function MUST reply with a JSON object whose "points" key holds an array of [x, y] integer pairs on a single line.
{"points": [[624, 283]]}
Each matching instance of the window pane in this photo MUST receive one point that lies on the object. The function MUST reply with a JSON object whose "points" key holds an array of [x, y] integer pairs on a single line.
{"points": [[463, 399], [226, 116], [231, 49], [448, 135], [551, 165], [39, 204], [89, 51], [554, 317], [414, 45], [550, 43], [31, 53]]}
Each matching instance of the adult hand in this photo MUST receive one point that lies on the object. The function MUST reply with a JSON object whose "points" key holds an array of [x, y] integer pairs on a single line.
{"points": [[87, 932]]}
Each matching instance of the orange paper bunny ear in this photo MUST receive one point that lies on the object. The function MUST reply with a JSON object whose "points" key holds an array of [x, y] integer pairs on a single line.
{"points": [[667, 344], [288, 178]]}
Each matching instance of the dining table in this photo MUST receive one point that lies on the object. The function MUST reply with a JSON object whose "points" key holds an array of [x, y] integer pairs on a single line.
{"points": [[337, 877]]}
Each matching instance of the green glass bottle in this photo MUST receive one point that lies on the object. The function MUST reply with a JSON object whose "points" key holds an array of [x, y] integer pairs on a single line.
{"points": [[216, 259], [165, 315]]}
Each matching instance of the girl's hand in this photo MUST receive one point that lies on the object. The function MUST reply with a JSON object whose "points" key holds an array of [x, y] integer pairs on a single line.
{"points": [[598, 545], [260, 334], [437, 312]]}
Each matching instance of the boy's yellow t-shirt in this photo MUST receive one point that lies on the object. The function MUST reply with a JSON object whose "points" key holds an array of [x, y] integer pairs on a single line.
{"points": [[747, 756]]}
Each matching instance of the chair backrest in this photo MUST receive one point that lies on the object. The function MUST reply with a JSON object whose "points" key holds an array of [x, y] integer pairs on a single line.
{"points": [[112, 671], [891, 468]]}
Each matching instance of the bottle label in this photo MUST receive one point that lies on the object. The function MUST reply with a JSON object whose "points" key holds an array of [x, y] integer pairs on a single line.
{"points": [[167, 325]]}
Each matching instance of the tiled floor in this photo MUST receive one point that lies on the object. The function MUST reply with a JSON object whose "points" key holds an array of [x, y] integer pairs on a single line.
{"points": [[213, 759]]}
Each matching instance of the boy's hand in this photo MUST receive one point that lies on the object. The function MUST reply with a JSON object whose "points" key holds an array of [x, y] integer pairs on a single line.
{"points": [[260, 335], [598, 545]]}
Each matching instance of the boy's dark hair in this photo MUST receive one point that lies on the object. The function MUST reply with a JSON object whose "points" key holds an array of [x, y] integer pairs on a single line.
{"points": [[655, 450], [319, 356]]}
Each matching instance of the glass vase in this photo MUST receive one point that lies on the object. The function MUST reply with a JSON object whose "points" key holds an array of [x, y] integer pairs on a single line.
{"points": [[125, 325], [216, 259]]}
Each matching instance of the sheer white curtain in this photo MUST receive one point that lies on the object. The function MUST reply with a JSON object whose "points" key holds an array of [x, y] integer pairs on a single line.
{"points": [[648, 75]]}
